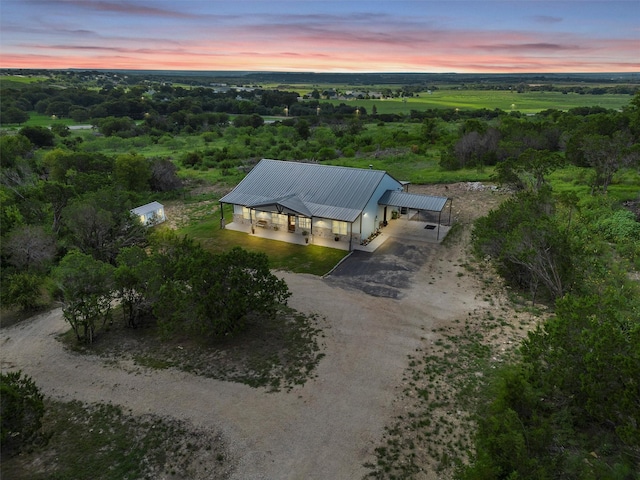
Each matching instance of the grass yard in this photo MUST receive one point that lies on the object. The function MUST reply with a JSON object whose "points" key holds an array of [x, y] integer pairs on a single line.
{"points": [[282, 256], [419, 169], [6, 81], [212, 176], [41, 120]]}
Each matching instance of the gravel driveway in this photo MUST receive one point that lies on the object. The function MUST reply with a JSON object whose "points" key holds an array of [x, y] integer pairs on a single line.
{"points": [[326, 429]]}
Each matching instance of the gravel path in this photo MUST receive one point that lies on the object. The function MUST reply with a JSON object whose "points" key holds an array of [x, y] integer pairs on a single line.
{"points": [[326, 429]]}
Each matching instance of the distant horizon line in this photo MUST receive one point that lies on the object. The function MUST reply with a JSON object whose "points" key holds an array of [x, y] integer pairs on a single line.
{"points": [[312, 72]]}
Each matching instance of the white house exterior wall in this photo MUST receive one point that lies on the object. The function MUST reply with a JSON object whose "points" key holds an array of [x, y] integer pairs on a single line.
{"points": [[150, 214], [372, 213]]}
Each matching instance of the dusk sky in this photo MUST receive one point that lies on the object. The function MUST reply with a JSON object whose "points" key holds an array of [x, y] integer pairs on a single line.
{"points": [[322, 36]]}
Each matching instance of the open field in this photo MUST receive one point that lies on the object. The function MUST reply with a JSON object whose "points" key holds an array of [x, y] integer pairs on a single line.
{"points": [[530, 102], [527, 102]]}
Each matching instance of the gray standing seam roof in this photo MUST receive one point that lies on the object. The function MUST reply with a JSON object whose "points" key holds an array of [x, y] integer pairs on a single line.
{"points": [[146, 208], [412, 200], [310, 189]]}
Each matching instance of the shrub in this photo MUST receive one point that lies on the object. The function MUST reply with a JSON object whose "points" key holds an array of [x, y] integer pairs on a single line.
{"points": [[21, 410], [23, 290], [349, 152], [192, 159], [619, 227]]}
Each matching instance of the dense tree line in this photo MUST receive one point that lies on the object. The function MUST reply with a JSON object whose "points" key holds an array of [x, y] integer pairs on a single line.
{"points": [[606, 141], [66, 228], [569, 406], [138, 102], [57, 199]]}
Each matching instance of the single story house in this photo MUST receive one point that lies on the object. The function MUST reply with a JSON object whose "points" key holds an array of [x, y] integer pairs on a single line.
{"points": [[341, 203], [150, 214]]}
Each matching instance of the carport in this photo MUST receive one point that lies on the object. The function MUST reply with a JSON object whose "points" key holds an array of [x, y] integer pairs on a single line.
{"points": [[420, 203]]}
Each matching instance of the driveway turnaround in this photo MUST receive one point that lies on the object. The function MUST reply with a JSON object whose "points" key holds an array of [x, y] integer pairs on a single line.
{"points": [[386, 272]]}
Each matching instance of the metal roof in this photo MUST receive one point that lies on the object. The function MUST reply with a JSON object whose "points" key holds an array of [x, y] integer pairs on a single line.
{"points": [[412, 200], [311, 189], [146, 208], [289, 204]]}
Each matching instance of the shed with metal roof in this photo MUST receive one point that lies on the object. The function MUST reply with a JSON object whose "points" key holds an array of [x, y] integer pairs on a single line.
{"points": [[150, 214]]}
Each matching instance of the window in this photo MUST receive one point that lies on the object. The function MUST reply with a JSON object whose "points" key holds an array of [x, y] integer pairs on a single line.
{"points": [[246, 213], [304, 222], [339, 228], [279, 219]]}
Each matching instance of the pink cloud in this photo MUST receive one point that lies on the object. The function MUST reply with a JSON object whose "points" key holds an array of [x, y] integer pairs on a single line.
{"points": [[322, 47], [116, 7], [546, 19]]}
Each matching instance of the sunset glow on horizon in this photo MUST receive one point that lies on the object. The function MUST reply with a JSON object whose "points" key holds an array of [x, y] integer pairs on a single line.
{"points": [[404, 36]]}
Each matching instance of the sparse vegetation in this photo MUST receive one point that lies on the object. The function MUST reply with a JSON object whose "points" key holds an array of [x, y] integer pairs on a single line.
{"points": [[274, 353], [104, 442]]}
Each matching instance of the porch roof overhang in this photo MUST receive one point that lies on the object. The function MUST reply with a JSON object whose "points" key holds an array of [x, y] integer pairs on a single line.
{"points": [[412, 200], [288, 204]]}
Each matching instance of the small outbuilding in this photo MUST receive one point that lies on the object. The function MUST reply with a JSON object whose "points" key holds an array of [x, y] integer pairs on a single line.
{"points": [[150, 214]]}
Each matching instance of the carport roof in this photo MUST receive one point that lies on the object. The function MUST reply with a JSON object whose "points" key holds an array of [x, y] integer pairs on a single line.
{"points": [[411, 200]]}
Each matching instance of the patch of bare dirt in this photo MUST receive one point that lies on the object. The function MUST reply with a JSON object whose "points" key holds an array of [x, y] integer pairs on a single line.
{"points": [[196, 206], [180, 214], [477, 325]]}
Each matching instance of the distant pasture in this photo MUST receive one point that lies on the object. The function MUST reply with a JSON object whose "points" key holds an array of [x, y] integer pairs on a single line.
{"points": [[528, 102]]}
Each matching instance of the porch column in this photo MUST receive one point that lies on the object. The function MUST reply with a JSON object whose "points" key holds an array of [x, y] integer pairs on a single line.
{"points": [[350, 236]]}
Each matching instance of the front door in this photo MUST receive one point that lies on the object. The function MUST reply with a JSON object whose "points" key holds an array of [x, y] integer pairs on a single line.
{"points": [[292, 223]]}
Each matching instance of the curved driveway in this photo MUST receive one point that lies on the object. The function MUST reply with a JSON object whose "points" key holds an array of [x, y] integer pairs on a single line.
{"points": [[325, 429]]}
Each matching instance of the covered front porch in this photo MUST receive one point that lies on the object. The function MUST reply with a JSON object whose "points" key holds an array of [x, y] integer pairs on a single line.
{"points": [[283, 235], [412, 226]]}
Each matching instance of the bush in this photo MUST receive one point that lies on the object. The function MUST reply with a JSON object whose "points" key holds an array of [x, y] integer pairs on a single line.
{"points": [[327, 153], [621, 226], [192, 159], [525, 242], [21, 410], [39, 136], [349, 152], [23, 290]]}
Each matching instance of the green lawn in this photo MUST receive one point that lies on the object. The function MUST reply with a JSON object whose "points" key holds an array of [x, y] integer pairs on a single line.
{"points": [[7, 80], [282, 256]]}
